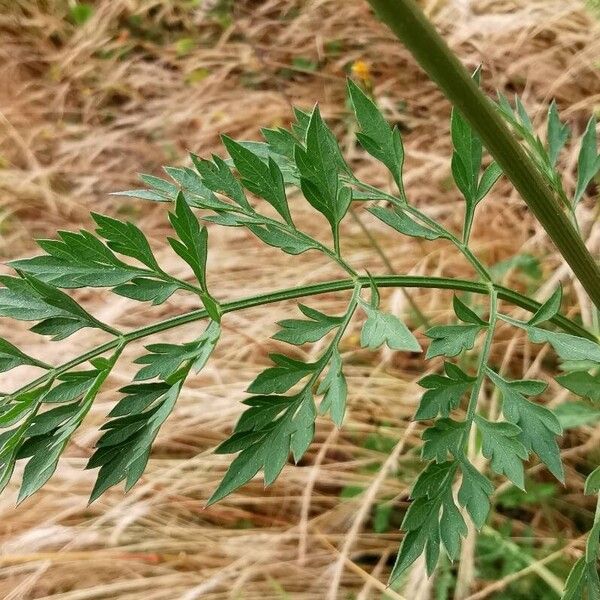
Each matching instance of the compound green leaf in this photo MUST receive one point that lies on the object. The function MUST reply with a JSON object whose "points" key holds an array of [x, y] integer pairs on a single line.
{"points": [[443, 392], [193, 239], [263, 179], [39, 469], [195, 192], [501, 444], [582, 383], [20, 406], [523, 116], [164, 360], [125, 238], [582, 579], [217, 176], [45, 450], [452, 528], [549, 309], [300, 127], [60, 300], [160, 185], [431, 494], [264, 436], [527, 264], [280, 439], [490, 176], [303, 425], [264, 409], [282, 377], [319, 166], [466, 158], [231, 219], [576, 414], [147, 290], [298, 332], [144, 194], [267, 154], [592, 483], [291, 242], [592, 551], [58, 328], [466, 314], [568, 347], [335, 390], [11, 357], [46, 422], [61, 273], [19, 301], [74, 385], [29, 299], [376, 136], [384, 328], [402, 223], [450, 340], [474, 493], [445, 437], [505, 107], [123, 449], [558, 134], [243, 468], [81, 246], [539, 426], [138, 397], [55, 298], [162, 190], [76, 260], [588, 163], [281, 141]]}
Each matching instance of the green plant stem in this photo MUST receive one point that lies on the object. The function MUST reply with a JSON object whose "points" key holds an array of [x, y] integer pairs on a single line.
{"points": [[484, 356], [107, 328], [410, 25], [336, 242], [469, 217], [91, 394], [338, 285], [182, 284], [336, 257], [462, 247], [204, 295], [324, 359]]}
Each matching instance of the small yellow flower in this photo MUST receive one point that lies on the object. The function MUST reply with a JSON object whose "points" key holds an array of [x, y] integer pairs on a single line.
{"points": [[362, 70]]}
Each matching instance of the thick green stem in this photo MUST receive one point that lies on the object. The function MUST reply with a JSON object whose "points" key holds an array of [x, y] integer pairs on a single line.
{"points": [[338, 285], [411, 26]]}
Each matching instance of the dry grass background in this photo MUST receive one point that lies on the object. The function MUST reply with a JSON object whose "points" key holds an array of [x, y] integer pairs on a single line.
{"points": [[83, 108]]}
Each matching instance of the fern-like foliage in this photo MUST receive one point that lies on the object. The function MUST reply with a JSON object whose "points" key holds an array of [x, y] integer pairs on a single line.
{"points": [[284, 400]]}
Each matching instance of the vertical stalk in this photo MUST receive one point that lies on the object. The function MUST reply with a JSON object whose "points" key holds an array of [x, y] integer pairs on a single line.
{"points": [[484, 356], [411, 26]]}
